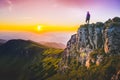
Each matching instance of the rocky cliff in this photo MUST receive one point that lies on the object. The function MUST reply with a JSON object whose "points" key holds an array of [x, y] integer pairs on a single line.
{"points": [[102, 37]]}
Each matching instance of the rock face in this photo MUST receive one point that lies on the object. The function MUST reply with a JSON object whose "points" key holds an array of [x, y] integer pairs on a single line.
{"points": [[90, 37]]}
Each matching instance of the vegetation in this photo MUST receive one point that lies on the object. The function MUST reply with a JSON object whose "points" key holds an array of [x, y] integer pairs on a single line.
{"points": [[27, 60], [108, 67]]}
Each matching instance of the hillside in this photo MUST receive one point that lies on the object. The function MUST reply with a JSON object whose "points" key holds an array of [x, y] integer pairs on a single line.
{"points": [[27, 60]]}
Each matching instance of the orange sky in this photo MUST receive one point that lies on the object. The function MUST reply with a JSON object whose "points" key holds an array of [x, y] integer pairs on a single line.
{"points": [[54, 16], [34, 28]]}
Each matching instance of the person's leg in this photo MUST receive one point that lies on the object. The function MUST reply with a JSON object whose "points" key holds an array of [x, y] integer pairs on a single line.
{"points": [[88, 21]]}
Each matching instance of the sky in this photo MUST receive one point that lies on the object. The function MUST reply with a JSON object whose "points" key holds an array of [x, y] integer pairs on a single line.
{"points": [[51, 20]]}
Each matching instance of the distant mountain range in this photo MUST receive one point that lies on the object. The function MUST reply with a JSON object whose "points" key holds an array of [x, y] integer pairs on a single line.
{"points": [[53, 45], [2, 41], [47, 44]]}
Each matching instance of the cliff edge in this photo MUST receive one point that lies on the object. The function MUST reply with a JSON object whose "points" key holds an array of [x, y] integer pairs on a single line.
{"points": [[92, 42]]}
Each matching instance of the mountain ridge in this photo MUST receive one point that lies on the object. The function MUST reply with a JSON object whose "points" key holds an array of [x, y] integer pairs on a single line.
{"points": [[2, 41], [53, 44]]}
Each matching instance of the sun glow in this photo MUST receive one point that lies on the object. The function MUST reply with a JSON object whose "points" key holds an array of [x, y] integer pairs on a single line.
{"points": [[39, 28]]}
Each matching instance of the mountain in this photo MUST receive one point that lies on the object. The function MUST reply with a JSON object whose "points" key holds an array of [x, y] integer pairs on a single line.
{"points": [[2, 41], [27, 60], [93, 53], [53, 45]]}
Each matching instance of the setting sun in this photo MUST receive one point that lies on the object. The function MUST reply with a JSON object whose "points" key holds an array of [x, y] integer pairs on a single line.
{"points": [[39, 28]]}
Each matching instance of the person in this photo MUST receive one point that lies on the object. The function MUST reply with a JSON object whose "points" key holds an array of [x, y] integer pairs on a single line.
{"points": [[88, 17]]}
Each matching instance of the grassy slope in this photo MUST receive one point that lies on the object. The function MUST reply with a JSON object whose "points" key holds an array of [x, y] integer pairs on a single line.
{"points": [[27, 60]]}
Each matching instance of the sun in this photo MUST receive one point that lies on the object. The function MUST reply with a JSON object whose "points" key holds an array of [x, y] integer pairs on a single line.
{"points": [[39, 28]]}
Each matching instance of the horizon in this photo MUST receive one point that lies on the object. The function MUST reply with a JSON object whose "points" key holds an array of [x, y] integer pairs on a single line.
{"points": [[51, 20]]}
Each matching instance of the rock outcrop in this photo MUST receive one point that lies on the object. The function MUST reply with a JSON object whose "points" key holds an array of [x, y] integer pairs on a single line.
{"points": [[90, 37]]}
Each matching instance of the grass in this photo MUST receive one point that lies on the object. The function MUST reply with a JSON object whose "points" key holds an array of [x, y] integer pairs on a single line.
{"points": [[26, 60]]}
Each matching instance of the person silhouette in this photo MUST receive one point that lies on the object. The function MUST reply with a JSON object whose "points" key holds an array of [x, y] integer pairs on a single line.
{"points": [[88, 17]]}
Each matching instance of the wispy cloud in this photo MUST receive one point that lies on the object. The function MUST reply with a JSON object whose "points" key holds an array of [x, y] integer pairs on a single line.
{"points": [[10, 5], [3, 3], [88, 3], [75, 3], [6, 3]]}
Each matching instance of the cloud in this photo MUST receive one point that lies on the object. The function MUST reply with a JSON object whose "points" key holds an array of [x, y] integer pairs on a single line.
{"points": [[88, 3], [75, 3], [3, 3], [10, 5], [6, 3]]}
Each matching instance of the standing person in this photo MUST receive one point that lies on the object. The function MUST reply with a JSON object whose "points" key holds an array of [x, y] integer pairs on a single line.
{"points": [[88, 17]]}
